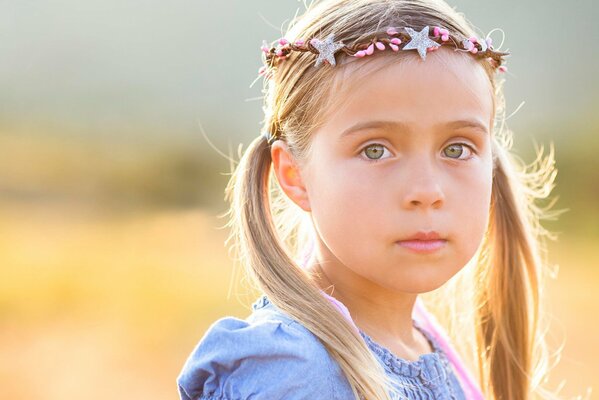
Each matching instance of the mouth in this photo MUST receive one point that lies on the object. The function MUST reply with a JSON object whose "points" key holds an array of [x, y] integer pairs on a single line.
{"points": [[423, 246]]}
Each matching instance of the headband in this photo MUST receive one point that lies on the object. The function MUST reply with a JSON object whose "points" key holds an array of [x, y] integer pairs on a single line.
{"points": [[411, 39]]}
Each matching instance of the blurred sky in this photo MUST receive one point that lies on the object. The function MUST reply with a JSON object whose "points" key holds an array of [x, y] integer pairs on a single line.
{"points": [[154, 67]]}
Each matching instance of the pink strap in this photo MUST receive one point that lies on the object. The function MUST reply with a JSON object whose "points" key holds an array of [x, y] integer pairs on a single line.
{"points": [[342, 309], [430, 323]]}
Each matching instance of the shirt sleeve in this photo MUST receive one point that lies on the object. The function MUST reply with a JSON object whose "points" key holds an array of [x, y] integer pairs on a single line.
{"points": [[239, 360]]}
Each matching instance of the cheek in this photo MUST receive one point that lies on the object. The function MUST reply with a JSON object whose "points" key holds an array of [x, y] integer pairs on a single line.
{"points": [[333, 186], [343, 206], [338, 196]]}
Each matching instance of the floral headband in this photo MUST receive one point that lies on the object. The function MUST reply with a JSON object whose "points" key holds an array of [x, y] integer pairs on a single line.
{"points": [[411, 40]]}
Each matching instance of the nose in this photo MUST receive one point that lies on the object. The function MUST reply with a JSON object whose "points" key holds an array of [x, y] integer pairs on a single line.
{"points": [[423, 188]]}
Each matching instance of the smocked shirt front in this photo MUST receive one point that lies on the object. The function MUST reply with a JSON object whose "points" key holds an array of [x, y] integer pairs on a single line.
{"points": [[270, 356]]}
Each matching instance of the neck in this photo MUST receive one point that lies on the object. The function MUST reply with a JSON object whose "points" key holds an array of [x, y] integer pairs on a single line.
{"points": [[380, 313]]}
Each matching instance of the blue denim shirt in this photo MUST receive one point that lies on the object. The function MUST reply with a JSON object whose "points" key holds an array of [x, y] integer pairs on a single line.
{"points": [[269, 356]]}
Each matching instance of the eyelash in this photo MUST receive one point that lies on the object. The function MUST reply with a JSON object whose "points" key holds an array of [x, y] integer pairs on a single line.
{"points": [[375, 160]]}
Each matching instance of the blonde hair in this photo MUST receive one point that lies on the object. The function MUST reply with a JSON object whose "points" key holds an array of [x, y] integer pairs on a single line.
{"points": [[499, 293]]}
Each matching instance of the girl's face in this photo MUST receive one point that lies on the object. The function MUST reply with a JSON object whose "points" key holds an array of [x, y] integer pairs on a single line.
{"points": [[408, 151]]}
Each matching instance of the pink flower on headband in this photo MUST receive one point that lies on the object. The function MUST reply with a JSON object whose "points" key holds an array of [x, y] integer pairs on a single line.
{"points": [[264, 47], [444, 33], [394, 43]]}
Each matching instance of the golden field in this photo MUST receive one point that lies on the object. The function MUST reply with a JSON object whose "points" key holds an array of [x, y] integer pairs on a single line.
{"points": [[109, 308]]}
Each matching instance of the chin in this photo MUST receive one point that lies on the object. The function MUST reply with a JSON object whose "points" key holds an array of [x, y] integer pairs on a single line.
{"points": [[422, 283]]}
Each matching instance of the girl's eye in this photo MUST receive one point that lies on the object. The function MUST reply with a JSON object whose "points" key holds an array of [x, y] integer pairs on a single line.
{"points": [[456, 150], [374, 151]]}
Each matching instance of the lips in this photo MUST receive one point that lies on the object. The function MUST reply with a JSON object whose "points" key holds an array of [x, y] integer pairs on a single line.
{"points": [[422, 235], [423, 242], [423, 246]]}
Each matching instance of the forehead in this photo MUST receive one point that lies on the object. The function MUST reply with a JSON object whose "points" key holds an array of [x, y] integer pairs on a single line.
{"points": [[446, 86]]}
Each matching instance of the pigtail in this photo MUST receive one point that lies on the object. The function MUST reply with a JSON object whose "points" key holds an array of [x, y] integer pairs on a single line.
{"points": [[510, 278], [510, 292], [287, 286]]}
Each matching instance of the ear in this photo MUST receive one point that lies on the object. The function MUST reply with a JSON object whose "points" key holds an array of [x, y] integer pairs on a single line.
{"points": [[288, 174]]}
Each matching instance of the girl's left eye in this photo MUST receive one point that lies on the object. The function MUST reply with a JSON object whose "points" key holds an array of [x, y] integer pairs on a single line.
{"points": [[456, 150], [375, 151]]}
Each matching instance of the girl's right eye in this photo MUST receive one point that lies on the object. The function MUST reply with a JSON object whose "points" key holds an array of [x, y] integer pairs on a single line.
{"points": [[375, 151]]}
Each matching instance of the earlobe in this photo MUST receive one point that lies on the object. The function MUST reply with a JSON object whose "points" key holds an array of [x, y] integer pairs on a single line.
{"points": [[289, 175]]}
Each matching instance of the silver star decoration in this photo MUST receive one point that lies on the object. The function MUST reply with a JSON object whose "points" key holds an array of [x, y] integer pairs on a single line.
{"points": [[326, 50], [420, 41]]}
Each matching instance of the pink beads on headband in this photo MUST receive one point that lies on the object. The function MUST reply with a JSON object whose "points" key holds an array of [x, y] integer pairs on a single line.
{"points": [[325, 49], [469, 44], [265, 47], [395, 41], [444, 33]]}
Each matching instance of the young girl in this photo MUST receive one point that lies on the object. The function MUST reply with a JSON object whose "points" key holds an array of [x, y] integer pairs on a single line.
{"points": [[391, 178]]}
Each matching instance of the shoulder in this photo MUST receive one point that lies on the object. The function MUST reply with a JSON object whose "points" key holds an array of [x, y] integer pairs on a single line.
{"points": [[266, 356]]}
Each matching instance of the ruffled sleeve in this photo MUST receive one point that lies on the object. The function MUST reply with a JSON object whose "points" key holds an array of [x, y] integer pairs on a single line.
{"points": [[259, 360]]}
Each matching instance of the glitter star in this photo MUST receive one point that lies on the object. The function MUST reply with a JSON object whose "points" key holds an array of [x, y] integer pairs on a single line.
{"points": [[420, 41], [326, 49]]}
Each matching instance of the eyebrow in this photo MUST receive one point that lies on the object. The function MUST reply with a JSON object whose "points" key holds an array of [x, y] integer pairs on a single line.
{"points": [[399, 125]]}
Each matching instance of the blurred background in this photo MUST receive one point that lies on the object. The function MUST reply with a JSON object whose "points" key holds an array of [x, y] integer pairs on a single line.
{"points": [[112, 254]]}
